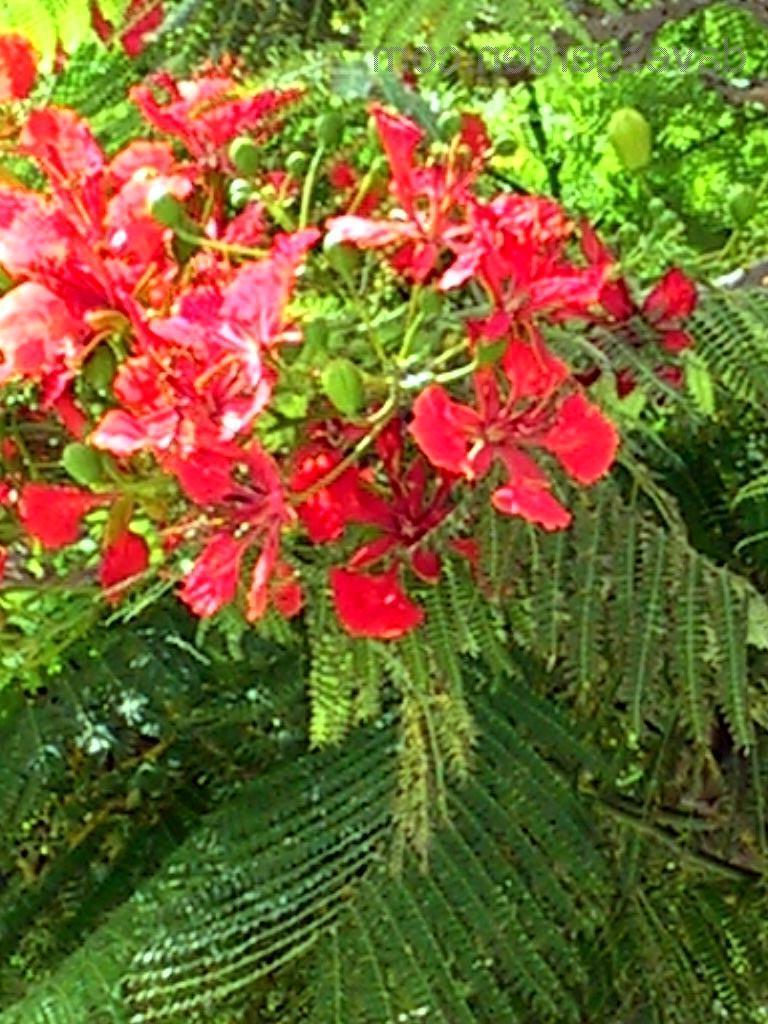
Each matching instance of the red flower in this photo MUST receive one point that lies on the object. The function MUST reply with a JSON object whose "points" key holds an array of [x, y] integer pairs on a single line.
{"points": [[517, 250], [538, 411], [51, 513], [208, 111], [417, 502], [665, 309], [405, 514], [432, 198], [3, 560], [18, 68], [124, 558], [373, 606], [200, 375], [242, 489]]}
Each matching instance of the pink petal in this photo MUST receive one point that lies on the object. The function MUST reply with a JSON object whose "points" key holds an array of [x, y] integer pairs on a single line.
{"points": [[212, 581]]}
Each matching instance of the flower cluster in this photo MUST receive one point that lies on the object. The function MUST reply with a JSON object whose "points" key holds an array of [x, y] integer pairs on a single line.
{"points": [[155, 322]]}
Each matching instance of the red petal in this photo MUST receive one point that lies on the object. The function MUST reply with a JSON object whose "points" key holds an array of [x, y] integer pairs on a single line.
{"points": [[527, 493], [124, 558], [468, 548], [71, 415], [342, 175], [373, 606], [533, 503], [141, 155], [258, 592], [52, 512], [616, 300], [532, 370], [399, 136], [673, 298], [123, 434], [37, 332], [595, 250], [212, 581], [474, 136], [583, 440], [372, 552], [18, 68], [287, 595], [63, 144], [326, 512], [205, 476], [3, 560], [426, 564], [676, 341], [441, 428]]}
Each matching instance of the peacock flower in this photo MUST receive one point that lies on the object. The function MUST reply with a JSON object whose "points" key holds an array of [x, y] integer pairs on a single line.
{"points": [[430, 217], [539, 411]]}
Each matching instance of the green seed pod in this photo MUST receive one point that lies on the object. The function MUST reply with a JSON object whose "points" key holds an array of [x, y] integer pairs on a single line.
{"points": [[630, 134], [742, 203], [83, 464], [343, 384], [330, 128], [245, 155], [164, 207], [100, 368], [344, 259]]}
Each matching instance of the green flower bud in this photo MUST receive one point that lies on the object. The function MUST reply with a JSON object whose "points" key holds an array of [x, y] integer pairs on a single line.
{"points": [[330, 128], [100, 368], [296, 163], [240, 191], [316, 334], [245, 155]]}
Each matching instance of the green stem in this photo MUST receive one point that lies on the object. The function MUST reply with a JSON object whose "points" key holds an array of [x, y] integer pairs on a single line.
{"points": [[309, 185]]}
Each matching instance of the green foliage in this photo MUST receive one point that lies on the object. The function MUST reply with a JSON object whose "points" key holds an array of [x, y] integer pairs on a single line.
{"points": [[288, 880]]}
